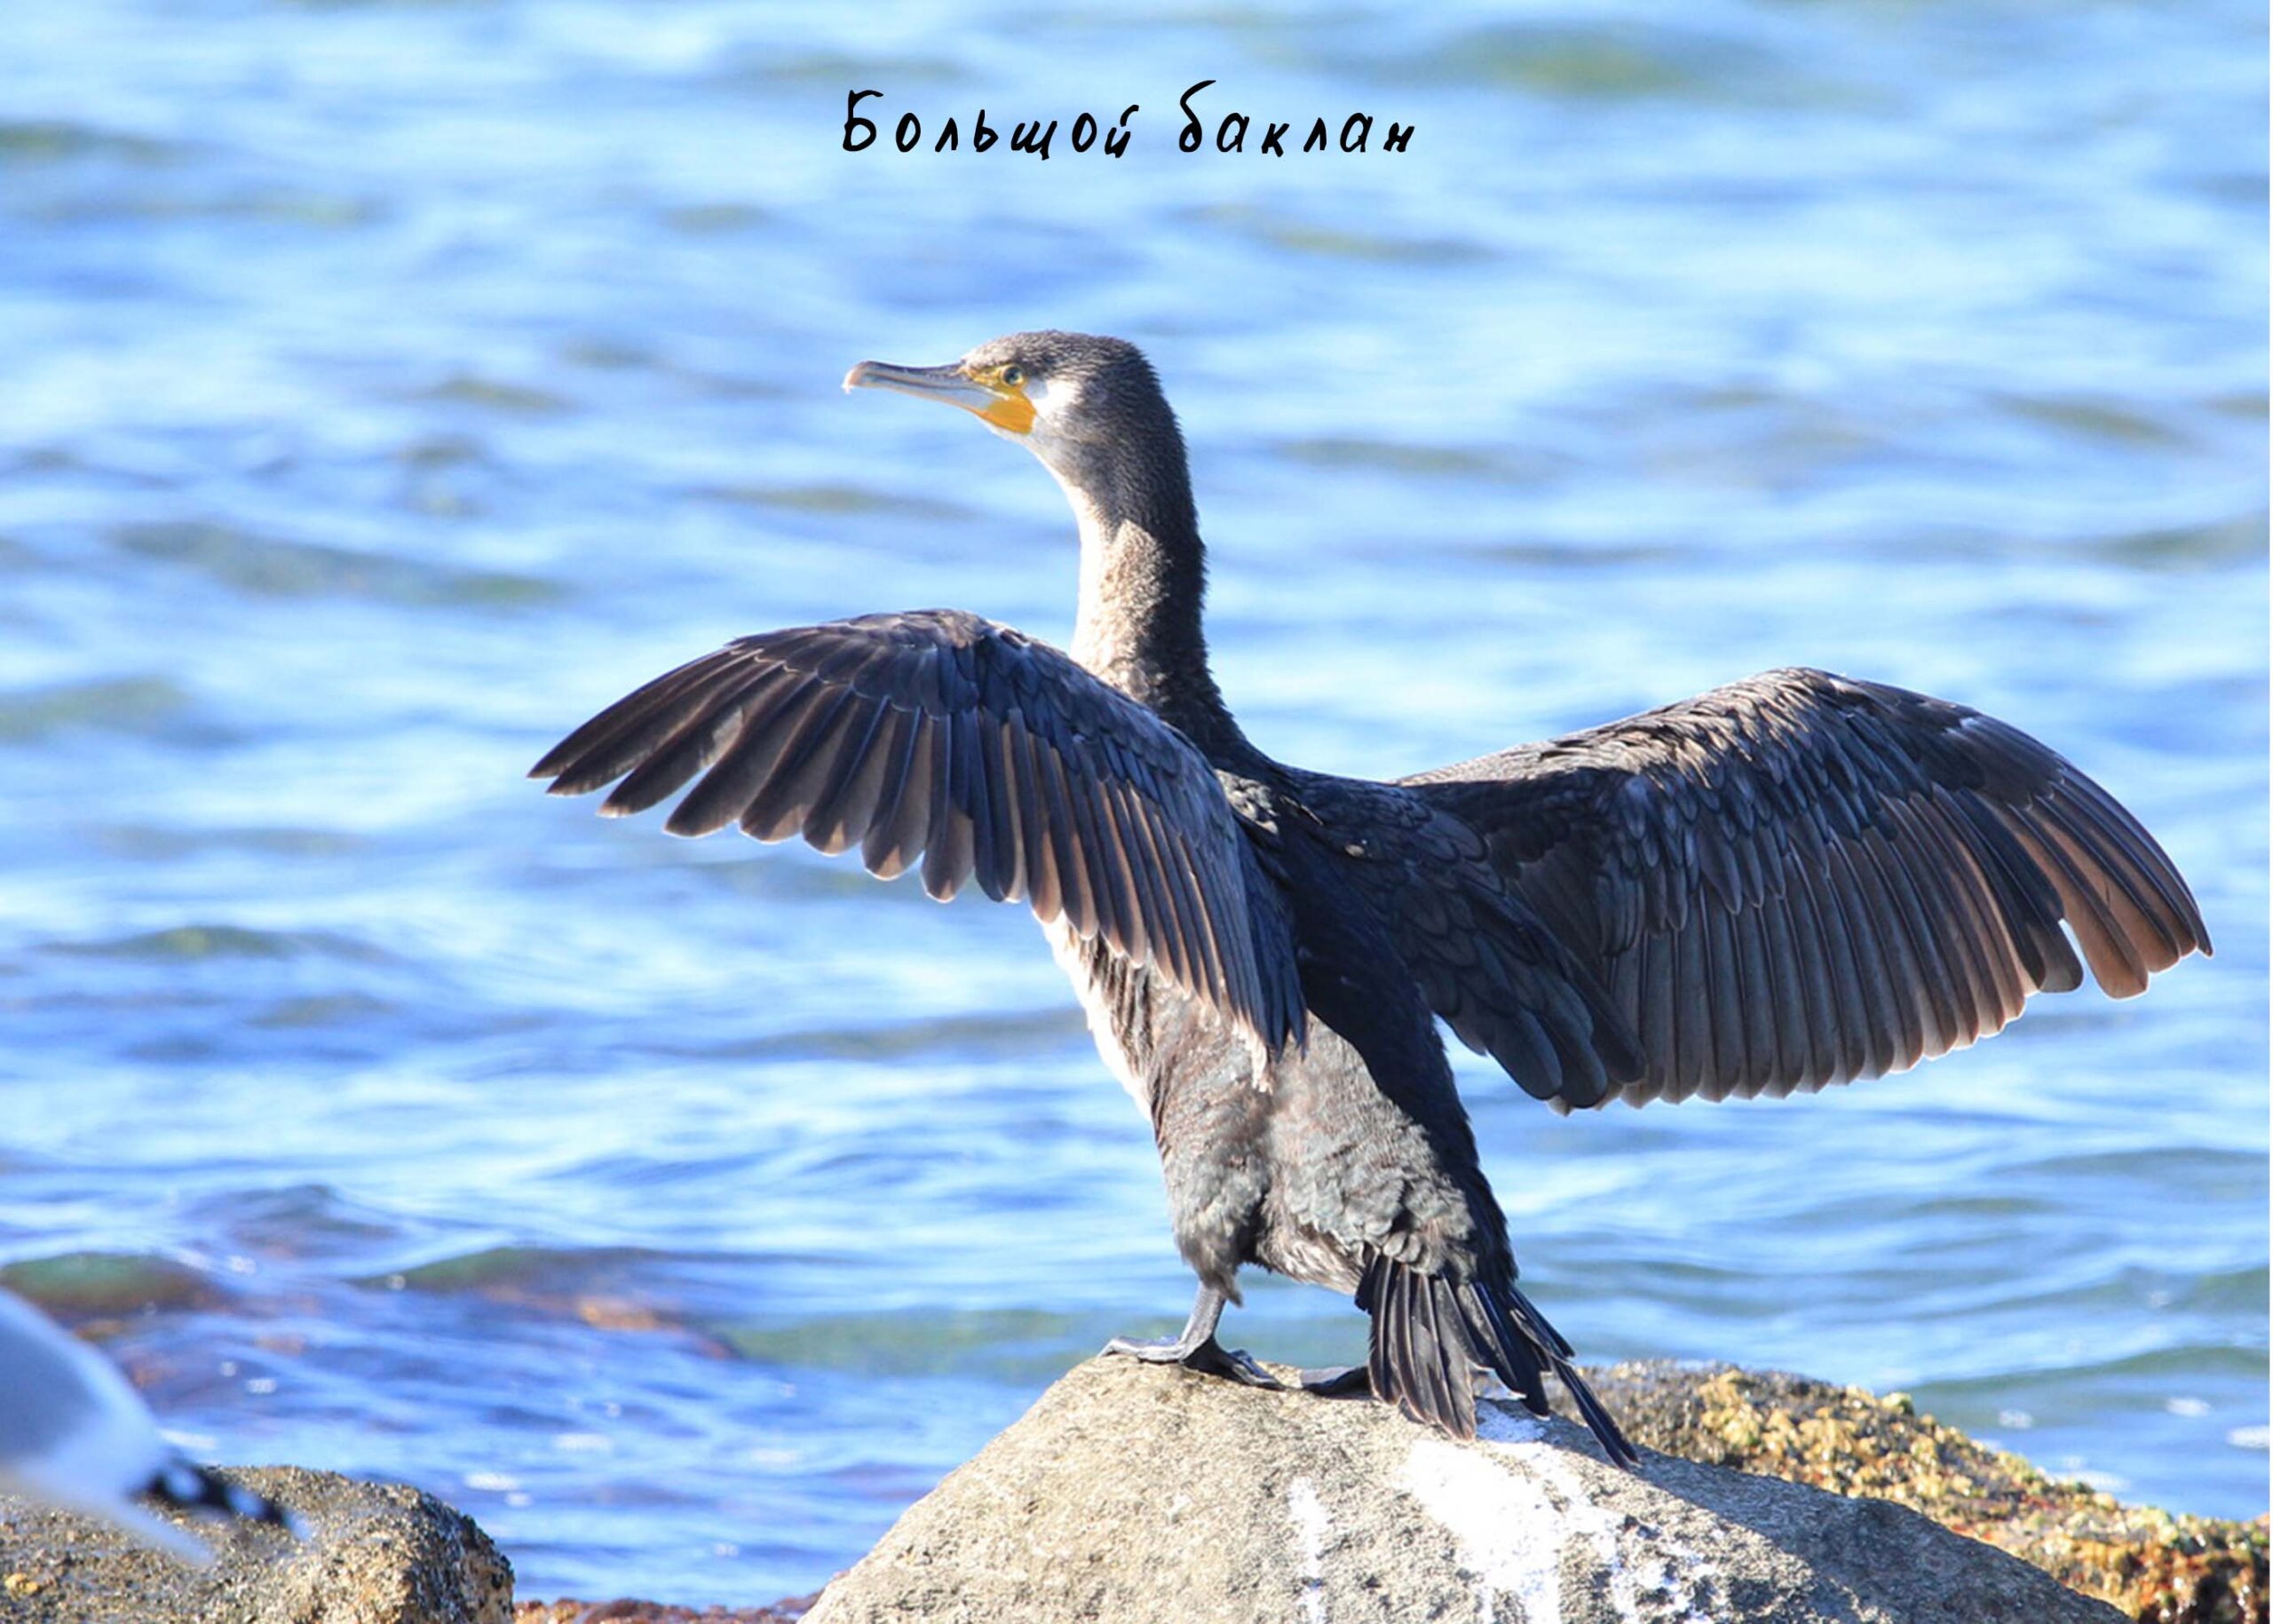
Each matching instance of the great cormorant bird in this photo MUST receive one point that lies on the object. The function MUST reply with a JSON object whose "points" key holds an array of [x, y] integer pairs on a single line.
{"points": [[1796, 880]]}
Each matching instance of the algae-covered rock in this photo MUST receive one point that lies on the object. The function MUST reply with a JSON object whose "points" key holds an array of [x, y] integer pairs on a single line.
{"points": [[2157, 1567]]}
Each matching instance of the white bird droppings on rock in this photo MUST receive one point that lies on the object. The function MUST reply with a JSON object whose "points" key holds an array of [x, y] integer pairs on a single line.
{"points": [[1307, 1513], [1505, 1526], [1518, 1506], [1497, 1424]]}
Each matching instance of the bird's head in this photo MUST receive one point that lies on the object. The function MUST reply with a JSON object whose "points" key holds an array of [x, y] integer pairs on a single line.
{"points": [[1089, 407]]}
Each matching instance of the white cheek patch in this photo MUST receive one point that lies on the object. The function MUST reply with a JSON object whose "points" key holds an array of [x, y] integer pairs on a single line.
{"points": [[1053, 401], [1053, 396]]}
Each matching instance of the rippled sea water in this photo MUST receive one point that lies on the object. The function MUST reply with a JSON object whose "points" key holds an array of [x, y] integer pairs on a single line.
{"points": [[389, 385]]}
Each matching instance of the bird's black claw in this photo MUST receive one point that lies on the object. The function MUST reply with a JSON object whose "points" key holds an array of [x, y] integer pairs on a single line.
{"points": [[1209, 1357]]}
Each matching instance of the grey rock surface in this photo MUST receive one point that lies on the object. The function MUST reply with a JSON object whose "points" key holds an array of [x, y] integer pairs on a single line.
{"points": [[377, 1553], [1140, 1494]]}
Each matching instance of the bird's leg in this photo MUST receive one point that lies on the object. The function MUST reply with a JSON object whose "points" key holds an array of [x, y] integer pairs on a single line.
{"points": [[1195, 1348]]}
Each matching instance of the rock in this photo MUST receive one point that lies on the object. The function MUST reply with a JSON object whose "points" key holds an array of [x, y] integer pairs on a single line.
{"points": [[1135, 1493], [626, 1611], [377, 1553], [2152, 1564]]}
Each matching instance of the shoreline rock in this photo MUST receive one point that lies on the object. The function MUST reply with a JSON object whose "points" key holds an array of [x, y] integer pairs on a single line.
{"points": [[1138, 1493], [377, 1553], [1117, 1464], [625, 1610]]}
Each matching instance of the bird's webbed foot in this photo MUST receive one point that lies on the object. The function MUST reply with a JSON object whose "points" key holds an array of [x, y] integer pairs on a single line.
{"points": [[1195, 1347], [1207, 1356], [1347, 1382]]}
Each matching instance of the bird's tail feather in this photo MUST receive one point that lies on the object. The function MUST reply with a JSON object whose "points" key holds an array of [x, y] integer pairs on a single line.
{"points": [[1430, 1331], [188, 1486]]}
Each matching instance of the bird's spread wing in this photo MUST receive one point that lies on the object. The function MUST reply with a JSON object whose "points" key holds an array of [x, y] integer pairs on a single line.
{"points": [[1799, 880], [937, 736]]}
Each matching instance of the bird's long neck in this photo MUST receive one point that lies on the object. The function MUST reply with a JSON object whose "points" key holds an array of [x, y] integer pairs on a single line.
{"points": [[1144, 586]]}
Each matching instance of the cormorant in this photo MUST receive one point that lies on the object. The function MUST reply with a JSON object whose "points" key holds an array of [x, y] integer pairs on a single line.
{"points": [[1796, 880], [74, 1433]]}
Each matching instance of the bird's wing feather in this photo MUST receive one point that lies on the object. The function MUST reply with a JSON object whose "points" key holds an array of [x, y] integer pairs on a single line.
{"points": [[1799, 879], [1483, 957], [937, 737]]}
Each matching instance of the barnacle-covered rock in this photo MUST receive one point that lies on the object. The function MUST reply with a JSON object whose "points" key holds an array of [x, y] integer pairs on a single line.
{"points": [[2157, 1567]]}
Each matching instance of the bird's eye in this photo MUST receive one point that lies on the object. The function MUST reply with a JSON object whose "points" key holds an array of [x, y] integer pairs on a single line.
{"points": [[1014, 375]]}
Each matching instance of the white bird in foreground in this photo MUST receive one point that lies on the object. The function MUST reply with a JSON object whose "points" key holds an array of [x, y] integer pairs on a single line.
{"points": [[73, 1433]]}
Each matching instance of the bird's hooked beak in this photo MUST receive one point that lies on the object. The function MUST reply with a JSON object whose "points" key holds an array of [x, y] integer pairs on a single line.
{"points": [[1003, 405]]}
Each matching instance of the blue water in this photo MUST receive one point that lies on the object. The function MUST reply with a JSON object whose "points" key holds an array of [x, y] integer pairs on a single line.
{"points": [[389, 385]]}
